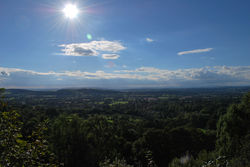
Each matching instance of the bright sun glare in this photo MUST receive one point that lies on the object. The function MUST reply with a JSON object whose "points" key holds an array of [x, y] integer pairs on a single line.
{"points": [[70, 11]]}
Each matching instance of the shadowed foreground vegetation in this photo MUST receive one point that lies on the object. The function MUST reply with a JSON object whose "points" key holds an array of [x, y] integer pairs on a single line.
{"points": [[125, 129]]}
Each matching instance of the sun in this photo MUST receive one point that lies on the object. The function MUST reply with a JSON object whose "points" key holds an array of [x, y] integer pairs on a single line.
{"points": [[71, 11]]}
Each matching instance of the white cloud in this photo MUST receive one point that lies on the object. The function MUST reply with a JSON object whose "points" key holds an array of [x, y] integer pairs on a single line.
{"points": [[215, 74], [195, 51], [149, 40], [91, 48], [74, 50], [110, 46], [110, 56], [192, 77]]}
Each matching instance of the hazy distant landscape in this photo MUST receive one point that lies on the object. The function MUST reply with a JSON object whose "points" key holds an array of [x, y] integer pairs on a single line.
{"points": [[90, 99]]}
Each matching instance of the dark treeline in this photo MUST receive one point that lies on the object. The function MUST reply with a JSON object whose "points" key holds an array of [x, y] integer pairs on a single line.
{"points": [[140, 128]]}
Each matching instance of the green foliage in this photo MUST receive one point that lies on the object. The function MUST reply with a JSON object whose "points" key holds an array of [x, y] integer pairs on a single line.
{"points": [[3, 104], [77, 141], [17, 151], [39, 147], [242, 158], [116, 163], [68, 140], [204, 159], [149, 158], [232, 145], [185, 161], [11, 144], [168, 144], [233, 127]]}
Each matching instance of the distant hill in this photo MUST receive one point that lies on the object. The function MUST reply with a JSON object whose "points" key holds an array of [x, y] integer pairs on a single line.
{"points": [[96, 92], [84, 91], [60, 92]]}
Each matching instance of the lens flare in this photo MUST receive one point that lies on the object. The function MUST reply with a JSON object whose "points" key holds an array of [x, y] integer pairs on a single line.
{"points": [[89, 36]]}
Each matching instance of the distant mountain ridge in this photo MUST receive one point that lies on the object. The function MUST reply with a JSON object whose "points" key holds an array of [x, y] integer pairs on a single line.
{"points": [[92, 91], [58, 92]]}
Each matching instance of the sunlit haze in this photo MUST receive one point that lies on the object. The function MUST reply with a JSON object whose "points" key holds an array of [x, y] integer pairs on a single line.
{"points": [[70, 11]]}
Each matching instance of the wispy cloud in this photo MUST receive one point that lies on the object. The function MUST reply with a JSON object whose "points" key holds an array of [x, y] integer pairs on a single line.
{"points": [[91, 48], [149, 40], [110, 56], [195, 51], [110, 64], [192, 77]]}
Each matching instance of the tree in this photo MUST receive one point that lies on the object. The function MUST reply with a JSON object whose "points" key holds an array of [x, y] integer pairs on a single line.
{"points": [[16, 150], [3, 104], [116, 163], [233, 128], [69, 142]]}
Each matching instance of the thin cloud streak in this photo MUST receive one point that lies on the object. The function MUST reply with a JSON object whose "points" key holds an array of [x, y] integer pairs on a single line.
{"points": [[195, 51], [110, 56]]}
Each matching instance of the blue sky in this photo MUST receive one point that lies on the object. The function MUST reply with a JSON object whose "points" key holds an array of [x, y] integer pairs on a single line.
{"points": [[133, 44]]}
